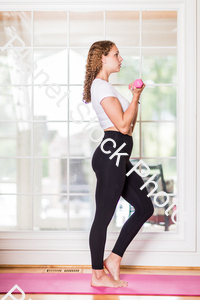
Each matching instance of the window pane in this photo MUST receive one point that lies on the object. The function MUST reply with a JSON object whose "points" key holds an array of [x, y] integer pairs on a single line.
{"points": [[50, 212], [169, 172], [15, 66], [158, 139], [50, 105], [120, 216], [159, 66], [18, 24], [159, 103], [51, 68], [82, 178], [80, 111], [15, 212], [50, 175], [83, 140], [5, 68], [122, 27], [15, 175], [15, 103], [130, 68], [159, 28], [85, 28], [77, 61], [50, 28], [50, 139], [81, 211], [15, 139], [159, 221]]}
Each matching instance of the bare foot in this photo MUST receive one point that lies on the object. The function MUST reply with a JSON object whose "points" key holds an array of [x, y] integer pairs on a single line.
{"points": [[112, 264], [100, 278]]}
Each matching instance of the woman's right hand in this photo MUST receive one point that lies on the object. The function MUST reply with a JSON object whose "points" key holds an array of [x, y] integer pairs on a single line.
{"points": [[137, 91]]}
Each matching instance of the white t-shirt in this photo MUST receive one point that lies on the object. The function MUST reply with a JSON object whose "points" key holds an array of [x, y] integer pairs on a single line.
{"points": [[99, 90]]}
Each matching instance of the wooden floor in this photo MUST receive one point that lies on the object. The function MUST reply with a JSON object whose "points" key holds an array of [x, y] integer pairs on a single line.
{"points": [[87, 269]]}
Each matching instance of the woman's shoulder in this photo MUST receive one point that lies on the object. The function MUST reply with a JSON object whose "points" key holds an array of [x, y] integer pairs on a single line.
{"points": [[100, 83], [101, 89]]}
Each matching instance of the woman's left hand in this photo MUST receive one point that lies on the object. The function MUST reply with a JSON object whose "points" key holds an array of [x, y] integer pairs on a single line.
{"points": [[130, 130]]}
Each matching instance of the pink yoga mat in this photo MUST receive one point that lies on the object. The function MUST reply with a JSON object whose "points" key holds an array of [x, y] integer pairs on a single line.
{"points": [[138, 284]]}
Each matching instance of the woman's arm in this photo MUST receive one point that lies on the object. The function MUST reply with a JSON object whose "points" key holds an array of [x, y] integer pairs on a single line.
{"points": [[121, 120], [133, 124]]}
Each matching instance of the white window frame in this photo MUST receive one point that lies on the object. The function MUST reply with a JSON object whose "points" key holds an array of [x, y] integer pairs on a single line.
{"points": [[76, 243]]}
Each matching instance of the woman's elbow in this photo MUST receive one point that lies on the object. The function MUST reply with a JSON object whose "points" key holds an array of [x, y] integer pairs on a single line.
{"points": [[124, 130]]}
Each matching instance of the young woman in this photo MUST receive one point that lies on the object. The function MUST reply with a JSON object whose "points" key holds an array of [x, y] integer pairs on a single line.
{"points": [[117, 118]]}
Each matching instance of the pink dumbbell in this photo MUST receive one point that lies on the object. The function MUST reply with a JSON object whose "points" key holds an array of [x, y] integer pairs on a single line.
{"points": [[138, 83]]}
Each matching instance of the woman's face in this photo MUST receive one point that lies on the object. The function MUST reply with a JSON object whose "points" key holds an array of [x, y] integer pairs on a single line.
{"points": [[113, 60]]}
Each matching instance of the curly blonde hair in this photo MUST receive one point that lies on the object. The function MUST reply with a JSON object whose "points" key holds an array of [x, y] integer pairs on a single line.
{"points": [[94, 65]]}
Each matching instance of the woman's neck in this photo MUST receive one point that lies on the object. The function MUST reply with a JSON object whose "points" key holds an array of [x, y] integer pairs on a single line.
{"points": [[103, 74], [101, 79]]}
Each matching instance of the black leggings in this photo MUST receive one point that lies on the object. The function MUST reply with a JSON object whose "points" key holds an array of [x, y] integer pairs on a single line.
{"points": [[112, 182]]}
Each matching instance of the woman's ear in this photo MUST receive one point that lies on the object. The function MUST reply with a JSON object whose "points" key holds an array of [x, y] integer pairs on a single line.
{"points": [[103, 59]]}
